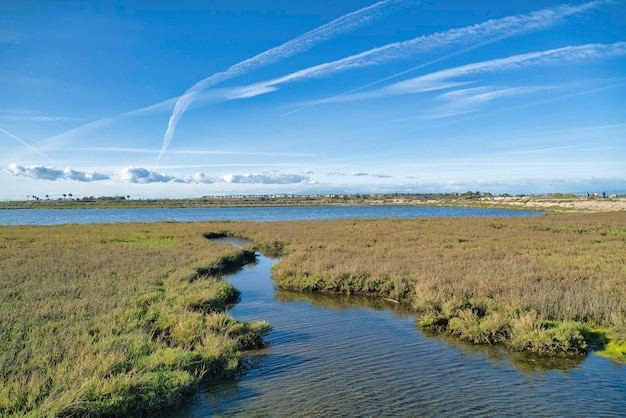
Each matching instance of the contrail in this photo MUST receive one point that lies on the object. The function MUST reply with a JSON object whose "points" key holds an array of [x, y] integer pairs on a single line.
{"points": [[442, 79], [479, 35], [557, 56], [24, 143], [299, 44]]}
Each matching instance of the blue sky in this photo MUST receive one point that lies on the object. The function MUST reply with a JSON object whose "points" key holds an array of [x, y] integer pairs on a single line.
{"points": [[190, 98]]}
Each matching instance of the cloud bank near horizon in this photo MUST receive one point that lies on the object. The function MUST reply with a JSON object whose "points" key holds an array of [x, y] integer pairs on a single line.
{"points": [[307, 185], [274, 177], [140, 175]]}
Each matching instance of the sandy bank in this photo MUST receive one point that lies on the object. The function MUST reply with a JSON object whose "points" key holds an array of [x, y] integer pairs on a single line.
{"points": [[583, 204]]}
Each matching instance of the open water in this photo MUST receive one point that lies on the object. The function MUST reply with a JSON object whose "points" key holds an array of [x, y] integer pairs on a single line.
{"points": [[257, 214]]}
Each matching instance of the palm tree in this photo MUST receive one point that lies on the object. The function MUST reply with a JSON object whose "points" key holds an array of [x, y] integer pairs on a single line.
{"points": [[64, 196]]}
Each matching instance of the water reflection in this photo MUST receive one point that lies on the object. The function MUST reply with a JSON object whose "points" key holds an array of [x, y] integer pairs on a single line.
{"points": [[522, 361], [341, 302]]}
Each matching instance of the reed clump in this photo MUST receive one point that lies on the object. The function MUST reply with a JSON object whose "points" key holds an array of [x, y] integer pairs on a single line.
{"points": [[114, 320], [481, 279]]}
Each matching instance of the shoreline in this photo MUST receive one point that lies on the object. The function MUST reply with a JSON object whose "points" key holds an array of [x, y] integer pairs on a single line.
{"points": [[591, 204]]}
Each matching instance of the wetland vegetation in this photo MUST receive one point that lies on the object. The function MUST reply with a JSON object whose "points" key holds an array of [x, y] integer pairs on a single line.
{"points": [[108, 319], [548, 284], [116, 319]]}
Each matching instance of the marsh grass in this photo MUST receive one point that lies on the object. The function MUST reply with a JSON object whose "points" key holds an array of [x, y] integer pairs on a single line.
{"points": [[478, 278], [126, 318], [114, 319]]}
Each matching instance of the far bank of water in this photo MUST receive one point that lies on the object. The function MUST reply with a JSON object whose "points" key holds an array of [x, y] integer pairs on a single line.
{"points": [[255, 214], [351, 356]]}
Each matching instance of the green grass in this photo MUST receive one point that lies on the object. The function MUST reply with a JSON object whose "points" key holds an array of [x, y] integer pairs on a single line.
{"points": [[615, 350], [126, 319]]}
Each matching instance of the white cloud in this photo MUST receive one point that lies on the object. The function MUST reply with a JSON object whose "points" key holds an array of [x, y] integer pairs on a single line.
{"points": [[143, 176], [40, 172], [197, 178], [273, 177], [85, 176], [364, 174], [475, 35], [140, 175]]}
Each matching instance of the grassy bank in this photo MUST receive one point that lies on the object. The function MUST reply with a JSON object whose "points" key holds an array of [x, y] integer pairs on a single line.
{"points": [[554, 283], [114, 319]]}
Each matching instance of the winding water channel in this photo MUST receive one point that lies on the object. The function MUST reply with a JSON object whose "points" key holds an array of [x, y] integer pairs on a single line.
{"points": [[349, 356]]}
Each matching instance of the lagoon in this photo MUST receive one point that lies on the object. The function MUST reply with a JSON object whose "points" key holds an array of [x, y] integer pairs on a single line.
{"points": [[255, 214]]}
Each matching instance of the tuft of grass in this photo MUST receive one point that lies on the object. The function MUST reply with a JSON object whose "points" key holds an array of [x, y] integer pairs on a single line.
{"points": [[490, 329], [615, 350], [531, 333]]}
